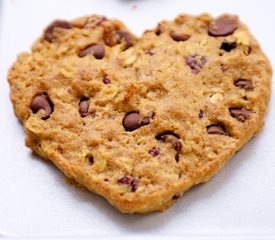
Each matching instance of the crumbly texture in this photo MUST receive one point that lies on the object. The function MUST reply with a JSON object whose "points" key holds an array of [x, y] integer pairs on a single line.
{"points": [[141, 120]]}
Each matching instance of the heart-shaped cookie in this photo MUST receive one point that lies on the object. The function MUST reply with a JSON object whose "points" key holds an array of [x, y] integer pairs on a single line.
{"points": [[141, 120]]}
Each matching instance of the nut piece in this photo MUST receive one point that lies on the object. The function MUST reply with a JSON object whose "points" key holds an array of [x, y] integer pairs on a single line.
{"points": [[217, 97], [128, 57], [242, 38]]}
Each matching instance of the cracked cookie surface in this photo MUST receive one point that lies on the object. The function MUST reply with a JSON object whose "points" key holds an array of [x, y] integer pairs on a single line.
{"points": [[141, 120]]}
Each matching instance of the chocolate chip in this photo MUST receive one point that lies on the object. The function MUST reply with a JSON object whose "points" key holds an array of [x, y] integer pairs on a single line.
{"points": [[100, 20], [149, 52], [106, 80], [177, 147], [134, 120], [192, 63], [154, 152], [243, 83], [126, 37], [173, 140], [216, 129], [179, 36], [48, 33], [59, 148], [159, 29], [97, 50], [175, 197], [228, 46], [223, 67], [203, 61], [124, 180], [42, 101], [222, 26], [93, 22], [93, 114], [195, 62], [241, 114], [248, 50], [134, 184], [84, 107], [90, 159], [201, 113]]}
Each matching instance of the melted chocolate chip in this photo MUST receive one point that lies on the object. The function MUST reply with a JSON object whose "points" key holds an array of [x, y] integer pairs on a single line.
{"points": [[241, 114], [84, 107], [134, 120], [243, 83], [173, 140], [228, 46], [179, 36], [43, 102], [97, 50], [48, 34], [126, 37], [216, 129], [106, 80], [154, 152], [222, 26]]}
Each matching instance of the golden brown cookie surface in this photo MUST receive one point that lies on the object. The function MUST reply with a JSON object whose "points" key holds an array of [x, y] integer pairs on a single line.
{"points": [[139, 121]]}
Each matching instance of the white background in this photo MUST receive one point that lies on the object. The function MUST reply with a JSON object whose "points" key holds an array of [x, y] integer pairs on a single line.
{"points": [[35, 201]]}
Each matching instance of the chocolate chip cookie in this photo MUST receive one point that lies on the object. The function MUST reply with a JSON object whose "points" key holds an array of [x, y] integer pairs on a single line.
{"points": [[141, 120]]}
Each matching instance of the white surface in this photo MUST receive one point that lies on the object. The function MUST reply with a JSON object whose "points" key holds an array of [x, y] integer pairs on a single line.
{"points": [[35, 201]]}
